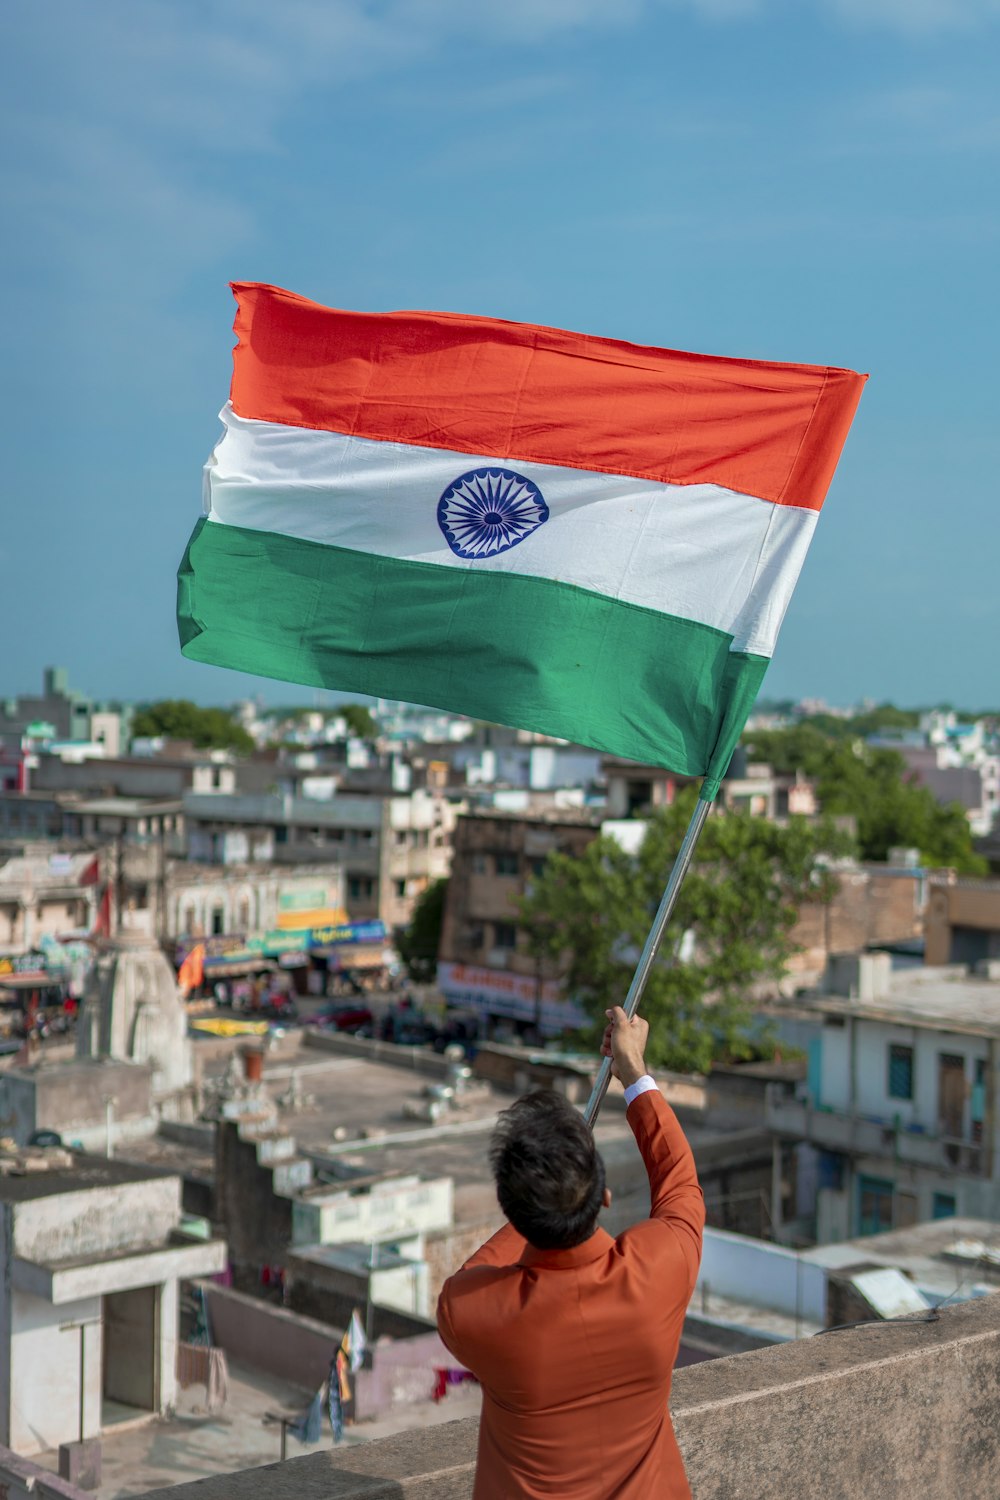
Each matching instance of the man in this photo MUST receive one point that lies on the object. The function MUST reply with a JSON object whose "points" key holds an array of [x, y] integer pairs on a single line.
{"points": [[572, 1334]]}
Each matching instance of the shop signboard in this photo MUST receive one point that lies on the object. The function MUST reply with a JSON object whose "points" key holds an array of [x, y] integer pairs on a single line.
{"points": [[515, 996], [220, 945], [22, 963], [348, 932], [356, 956], [276, 941], [302, 900]]}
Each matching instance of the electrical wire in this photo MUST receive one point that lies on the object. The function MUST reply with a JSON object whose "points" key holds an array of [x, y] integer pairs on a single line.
{"points": [[932, 1314]]}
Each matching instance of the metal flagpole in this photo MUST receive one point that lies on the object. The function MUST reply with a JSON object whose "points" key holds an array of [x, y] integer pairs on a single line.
{"points": [[648, 956]]}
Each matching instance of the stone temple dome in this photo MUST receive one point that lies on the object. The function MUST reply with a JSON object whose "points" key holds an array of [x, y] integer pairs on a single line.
{"points": [[133, 1011]]}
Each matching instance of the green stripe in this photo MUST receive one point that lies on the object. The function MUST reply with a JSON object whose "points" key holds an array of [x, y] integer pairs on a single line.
{"points": [[532, 652]]}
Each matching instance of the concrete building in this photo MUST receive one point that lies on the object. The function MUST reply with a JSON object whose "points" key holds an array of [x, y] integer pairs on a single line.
{"points": [[238, 900], [634, 789], [389, 847], [485, 961], [46, 896], [70, 714], [963, 921], [899, 1109], [956, 762], [91, 1254]]}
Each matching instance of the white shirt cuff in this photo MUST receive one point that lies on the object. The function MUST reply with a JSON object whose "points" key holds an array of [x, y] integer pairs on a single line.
{"points": [[641, 1086]]}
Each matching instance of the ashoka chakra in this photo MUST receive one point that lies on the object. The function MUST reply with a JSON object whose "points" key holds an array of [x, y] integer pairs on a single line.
{"points": [[490, 510]]}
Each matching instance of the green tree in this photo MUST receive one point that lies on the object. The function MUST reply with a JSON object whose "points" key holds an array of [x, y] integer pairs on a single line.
{"points": [[591, 913], [178, 719], [359, 720], [419, 944], [873, 787]]}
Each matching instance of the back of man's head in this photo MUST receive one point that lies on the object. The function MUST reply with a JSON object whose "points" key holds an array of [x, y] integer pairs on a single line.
{"points": [[549, 1174]]}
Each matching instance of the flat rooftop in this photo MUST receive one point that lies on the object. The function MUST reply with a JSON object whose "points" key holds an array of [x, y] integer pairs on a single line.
{"points": [[195, 1443], [24, 1186], [352, 1117], [939, 999], [940, 1256]]}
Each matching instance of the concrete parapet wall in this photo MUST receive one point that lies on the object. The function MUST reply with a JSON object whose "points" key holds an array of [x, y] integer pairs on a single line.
{"points": [[890, 1411], [282, 1343], [414, 1059], [22, 1480]]}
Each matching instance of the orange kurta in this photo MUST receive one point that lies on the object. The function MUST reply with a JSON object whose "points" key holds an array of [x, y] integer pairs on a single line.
{"points": [[574, 1349]]}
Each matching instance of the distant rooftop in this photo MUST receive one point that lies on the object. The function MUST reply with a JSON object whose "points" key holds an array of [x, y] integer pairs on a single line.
{"points": [[940, 999], [953, 1258], [125, 807], [32, 1178], [45, 869]]}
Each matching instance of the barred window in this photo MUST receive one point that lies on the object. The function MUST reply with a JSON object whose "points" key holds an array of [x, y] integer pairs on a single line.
{"points": [[900, 1072]]}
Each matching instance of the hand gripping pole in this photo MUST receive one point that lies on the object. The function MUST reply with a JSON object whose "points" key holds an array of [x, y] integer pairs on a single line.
{"points": [[649, 952]]}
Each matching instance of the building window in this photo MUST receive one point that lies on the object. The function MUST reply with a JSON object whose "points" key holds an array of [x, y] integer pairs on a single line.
{"points": [[359, 887], [507, 864], [943, 1206], [977, 1106], [505, 935], [401, 889], [874, 1205], [218, 921], [900, 1072]]}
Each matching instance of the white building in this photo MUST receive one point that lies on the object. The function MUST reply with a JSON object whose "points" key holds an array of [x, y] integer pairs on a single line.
{"points": [[390, 848], [90, 1260], [899, 1111]]}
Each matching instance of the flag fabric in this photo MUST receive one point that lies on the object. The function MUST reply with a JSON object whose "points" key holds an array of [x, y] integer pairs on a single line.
{"points": [[334, 1399], [307, 1428], [102, 919], [588, 538], [354, 1343], [343, 1376], [191, 974]]}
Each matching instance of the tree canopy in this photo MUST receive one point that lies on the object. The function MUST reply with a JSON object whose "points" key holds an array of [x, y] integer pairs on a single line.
{"points": [[178, 719], [418, 945], [590, 914], [874, 788], [359, 720]]}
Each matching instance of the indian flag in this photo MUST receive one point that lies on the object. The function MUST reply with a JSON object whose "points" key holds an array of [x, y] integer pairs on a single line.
{"points": [[593, 539]]}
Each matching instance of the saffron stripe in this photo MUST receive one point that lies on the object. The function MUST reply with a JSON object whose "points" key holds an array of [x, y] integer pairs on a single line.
{"points": [[517, 391]]}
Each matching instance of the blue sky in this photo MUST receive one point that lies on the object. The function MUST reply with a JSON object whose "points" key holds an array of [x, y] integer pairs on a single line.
{"points": [[810, 180]]}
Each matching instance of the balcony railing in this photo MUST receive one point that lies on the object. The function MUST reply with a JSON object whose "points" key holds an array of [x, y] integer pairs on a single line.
{"points": [[857, 1134]]}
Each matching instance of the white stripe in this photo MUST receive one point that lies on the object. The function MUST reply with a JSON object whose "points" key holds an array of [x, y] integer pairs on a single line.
{"points": [[698, 551]]}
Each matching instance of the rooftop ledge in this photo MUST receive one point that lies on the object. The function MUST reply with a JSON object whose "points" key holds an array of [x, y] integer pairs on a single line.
{"points": [[890, 1411]]}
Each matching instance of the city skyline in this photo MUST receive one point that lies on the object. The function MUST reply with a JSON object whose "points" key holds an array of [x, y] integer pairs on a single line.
{"points": [[754, 179]]}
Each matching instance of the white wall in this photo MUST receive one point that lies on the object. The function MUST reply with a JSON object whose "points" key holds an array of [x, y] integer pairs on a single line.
{"points": [[403, 1287], [389, 1212], [872, 1040], [45, 1372], [97, 1220], [764, 1275], [835, 1088]]}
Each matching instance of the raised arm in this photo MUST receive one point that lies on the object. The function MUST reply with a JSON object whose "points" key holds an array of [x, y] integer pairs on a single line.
{"points": [[675, 1197]]}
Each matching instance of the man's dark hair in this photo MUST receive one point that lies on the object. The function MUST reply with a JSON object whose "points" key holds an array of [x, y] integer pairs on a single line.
{"points": [[549, 1174]]}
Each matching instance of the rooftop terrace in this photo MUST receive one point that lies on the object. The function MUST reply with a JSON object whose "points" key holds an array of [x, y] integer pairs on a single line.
{"points": [[904, 1410]]}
